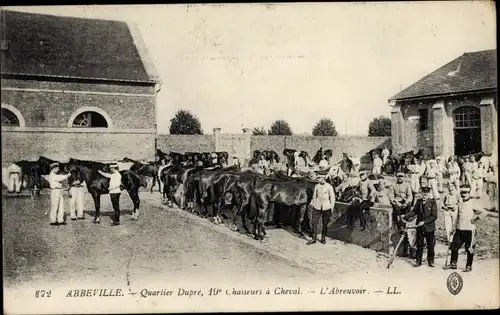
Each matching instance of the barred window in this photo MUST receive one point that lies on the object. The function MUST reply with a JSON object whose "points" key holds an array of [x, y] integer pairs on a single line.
{"points": [[9, 118], [467, 117], [423, 119]]}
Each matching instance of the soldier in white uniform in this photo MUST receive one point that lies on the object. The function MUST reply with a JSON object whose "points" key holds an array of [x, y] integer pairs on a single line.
{"points": [[477, 181], [385, 155], [440, 171], [454, 171], [114, 191], [485, 162], [377, 165], [76, 194], [414, 176], [469, 212], [56, 195], [214, 158], [323, 202], [14, 178], [451, 202], [467, 172], [432, 173], [422, 169], [235, 160]]}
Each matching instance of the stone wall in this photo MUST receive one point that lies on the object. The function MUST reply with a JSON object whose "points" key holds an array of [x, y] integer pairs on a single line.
{"points": [[99, 146], [243, 144], [378, 235], [186, 143], [356, 145]]}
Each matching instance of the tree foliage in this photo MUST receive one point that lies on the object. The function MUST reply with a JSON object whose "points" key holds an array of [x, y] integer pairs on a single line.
{"points": [[185, 123], [325, 128], [380, 127], [259, 131], [280, 128]]}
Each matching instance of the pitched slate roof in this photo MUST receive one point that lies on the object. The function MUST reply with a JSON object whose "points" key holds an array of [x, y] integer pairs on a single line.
{"points": [[470, 72], [47, 45]]}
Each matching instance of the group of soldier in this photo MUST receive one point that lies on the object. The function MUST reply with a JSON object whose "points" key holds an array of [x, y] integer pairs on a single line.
{"points": [[416, 203]]}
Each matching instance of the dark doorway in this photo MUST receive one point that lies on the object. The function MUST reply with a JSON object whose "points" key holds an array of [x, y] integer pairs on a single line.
{"points": [[467, 122], [467, 141]]}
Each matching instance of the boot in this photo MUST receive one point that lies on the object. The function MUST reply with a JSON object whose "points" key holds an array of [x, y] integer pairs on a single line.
{"points": [[452, 266], [417, 264], [323, 240], [468, 269], [313, 241]]}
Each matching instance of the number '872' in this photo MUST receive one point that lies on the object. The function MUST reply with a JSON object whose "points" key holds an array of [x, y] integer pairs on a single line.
{"points": [[43, 293]]}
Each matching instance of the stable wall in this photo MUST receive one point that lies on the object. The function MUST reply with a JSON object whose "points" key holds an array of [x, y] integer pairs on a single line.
{"points": [[51, 104], [244, 144], [87, 145]]}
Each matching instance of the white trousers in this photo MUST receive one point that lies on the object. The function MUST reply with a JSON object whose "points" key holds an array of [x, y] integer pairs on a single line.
{"points": [[56, 206], [450, 221], [439, 177], [412, 233], [377, 170], [455, 179], [468, 178], [14, 182], [76, 202], [434, 187], [415, 183], [476, 189]]}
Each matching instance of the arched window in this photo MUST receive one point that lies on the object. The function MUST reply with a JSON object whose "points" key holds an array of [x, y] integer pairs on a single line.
{"points": [[467, 117], [90, 117], [9, 118], [90, 120]]}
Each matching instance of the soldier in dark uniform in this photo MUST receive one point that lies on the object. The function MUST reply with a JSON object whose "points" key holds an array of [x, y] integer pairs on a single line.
{"points": [[425, 210]]}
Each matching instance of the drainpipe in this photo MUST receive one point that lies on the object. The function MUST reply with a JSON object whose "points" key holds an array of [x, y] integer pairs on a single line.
{"points": [[157, 90]]}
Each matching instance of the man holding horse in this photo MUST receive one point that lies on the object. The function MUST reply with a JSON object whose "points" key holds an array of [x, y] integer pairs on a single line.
{"points": [[56, 195], [114, 191]]}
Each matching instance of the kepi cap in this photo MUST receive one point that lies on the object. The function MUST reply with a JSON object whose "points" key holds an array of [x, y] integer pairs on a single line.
{"points": [[464, 189], [426, 189], [52, 165], [400, 174], [114, 165]]}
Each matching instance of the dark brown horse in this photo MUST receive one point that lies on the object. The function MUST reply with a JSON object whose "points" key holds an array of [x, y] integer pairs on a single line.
{"points": [[98, 185], [268, 192]]}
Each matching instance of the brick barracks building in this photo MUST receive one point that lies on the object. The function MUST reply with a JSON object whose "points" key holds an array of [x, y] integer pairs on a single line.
{"points": [[452, 111], [74, 87]]}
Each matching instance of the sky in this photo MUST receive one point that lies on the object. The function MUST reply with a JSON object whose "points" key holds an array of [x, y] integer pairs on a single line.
{"points": [[246, 65]]}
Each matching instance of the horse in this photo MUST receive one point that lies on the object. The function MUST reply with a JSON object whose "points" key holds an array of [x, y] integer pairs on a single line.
{"points": [[98, 185], [149, 169]]}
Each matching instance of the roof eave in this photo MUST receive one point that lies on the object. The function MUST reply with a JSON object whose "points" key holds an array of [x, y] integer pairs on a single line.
{"points": [[438, 95], [91, 79]]}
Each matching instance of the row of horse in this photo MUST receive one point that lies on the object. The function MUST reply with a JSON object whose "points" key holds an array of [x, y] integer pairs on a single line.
{"points": [[253, 197], [275, 198]]}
